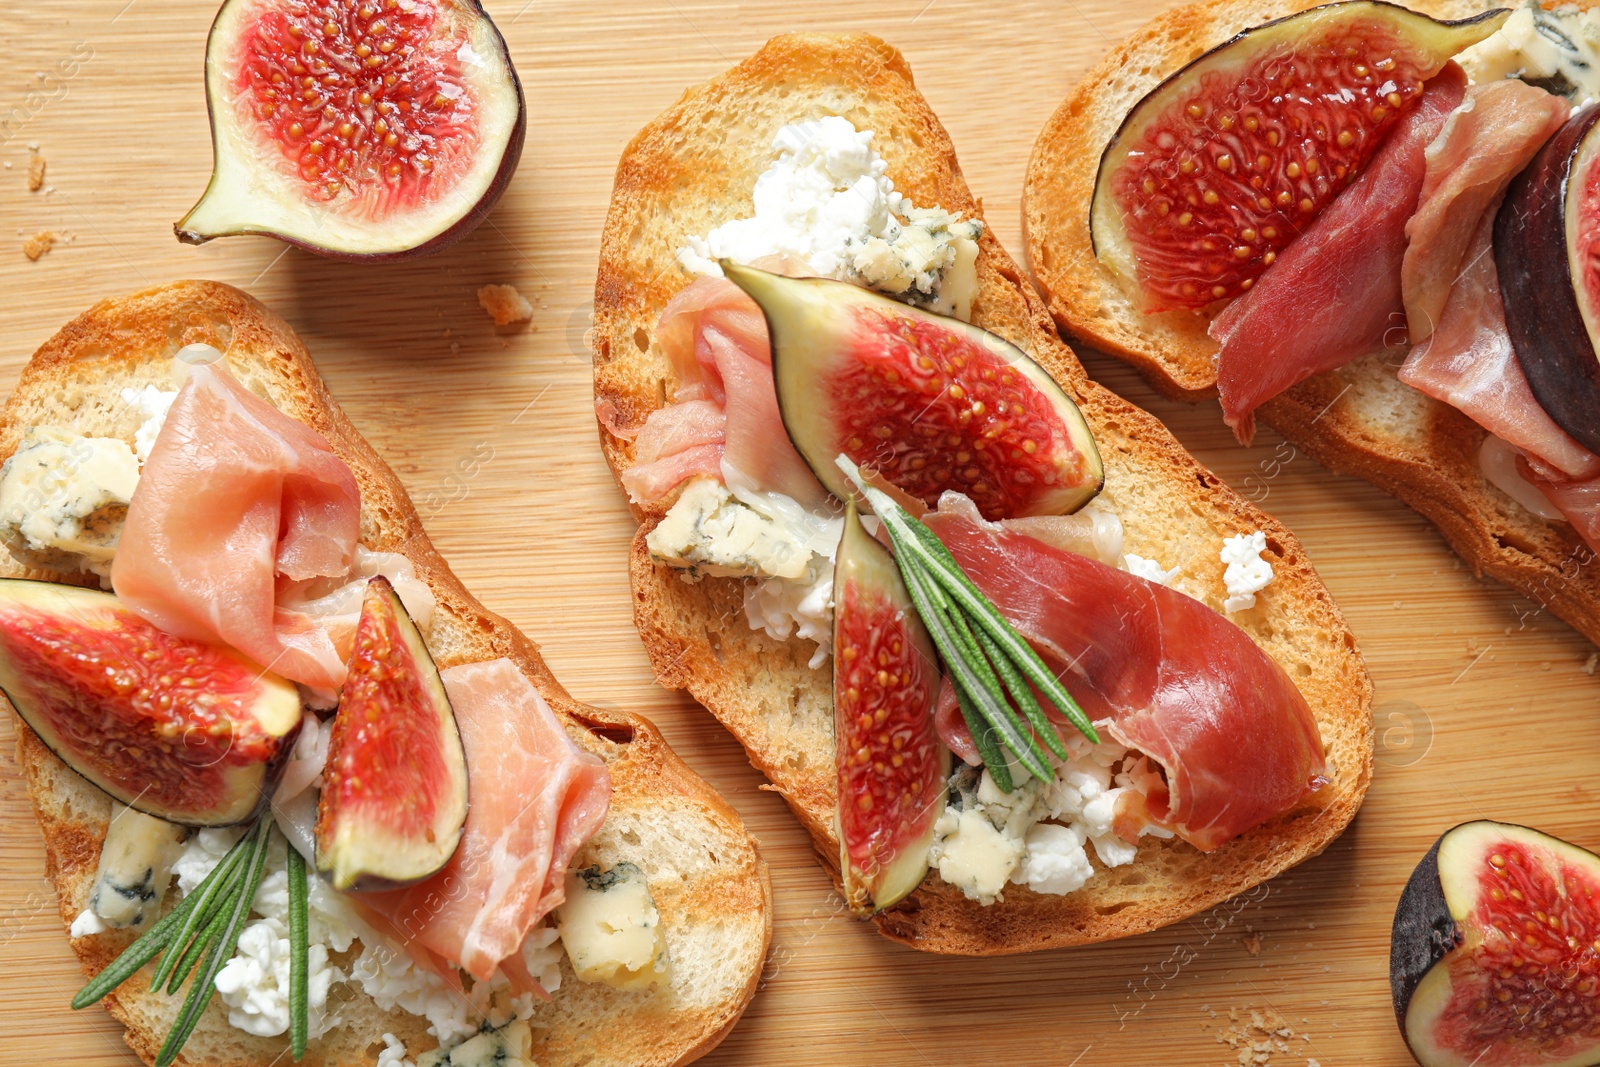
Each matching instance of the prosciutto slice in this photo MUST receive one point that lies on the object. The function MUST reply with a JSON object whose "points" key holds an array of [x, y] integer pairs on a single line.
{"points": [[1467, 362], [1485, 143], [234, 495], [535, 799], [1169, 677], [1334, 293], [724, 416]]}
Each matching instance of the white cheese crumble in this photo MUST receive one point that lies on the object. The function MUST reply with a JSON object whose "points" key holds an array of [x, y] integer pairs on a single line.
{"points": [[87, 923], [1038, 835], [152, 405], [1557, 50], [1247, 573], [393, 1053], [1148, 569], [738, 531], [63, 499], [826, 199], [254, 984]]}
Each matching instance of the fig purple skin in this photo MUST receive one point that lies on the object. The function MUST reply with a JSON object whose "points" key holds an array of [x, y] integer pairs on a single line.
{"points": [[1550, 331], [1491, 958], [402, 130]]}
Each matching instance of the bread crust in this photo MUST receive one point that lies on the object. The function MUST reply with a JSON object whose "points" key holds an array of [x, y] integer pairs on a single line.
{"points": [[1358, 420], [688, 171], [129, 341]]}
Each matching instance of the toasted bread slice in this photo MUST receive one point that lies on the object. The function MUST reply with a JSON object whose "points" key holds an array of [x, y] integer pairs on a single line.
{"points": [[692, 169], [1359, 419], [707, 878]]}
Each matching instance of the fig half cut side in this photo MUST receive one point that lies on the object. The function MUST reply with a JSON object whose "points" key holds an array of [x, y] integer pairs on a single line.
{"points": [[357, 129], [1546, 239], [394, 792], [892, 766], [1215, 170], [1493, 958], [188, 732], [926, 402]]}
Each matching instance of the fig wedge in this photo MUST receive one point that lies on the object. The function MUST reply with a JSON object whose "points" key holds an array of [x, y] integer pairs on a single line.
{"points": [[1225, 162], [1546, 239], [1492, 960], [394, 792], [892, 766], [188, 732], [357, 129], [926, 402]]}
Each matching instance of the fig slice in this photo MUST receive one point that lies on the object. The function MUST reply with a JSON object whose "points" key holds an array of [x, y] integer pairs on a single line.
{"points": [[187, 732], [929, 403], [357, 129], [394, 790], [1546, 240], [1493, 960], [1225, 162], [892, 766]]}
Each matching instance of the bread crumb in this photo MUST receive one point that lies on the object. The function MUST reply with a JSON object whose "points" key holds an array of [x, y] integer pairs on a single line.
{"points": [[1265, 1033], [1252, 943], [38, 244], [1591, 663], [504, 304], [35, 175]]}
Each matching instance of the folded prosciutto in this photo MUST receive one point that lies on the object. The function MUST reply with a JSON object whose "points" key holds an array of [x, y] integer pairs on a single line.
{"points": [[1165, 674], [535, 799], [234, 495], [724, 418], [1486, 142], [1334, 293]]}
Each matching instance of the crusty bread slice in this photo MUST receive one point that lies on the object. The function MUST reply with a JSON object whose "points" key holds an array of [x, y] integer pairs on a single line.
{"points": [[1358, 420], [692, 169], [707, 878]]}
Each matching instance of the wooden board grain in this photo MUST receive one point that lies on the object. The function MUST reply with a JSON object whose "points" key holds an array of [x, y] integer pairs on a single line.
{"points": [[1485, 706]]}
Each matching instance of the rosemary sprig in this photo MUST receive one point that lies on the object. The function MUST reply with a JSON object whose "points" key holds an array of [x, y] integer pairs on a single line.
{"points": [[203, 931], [991, 666], [299, 954]]}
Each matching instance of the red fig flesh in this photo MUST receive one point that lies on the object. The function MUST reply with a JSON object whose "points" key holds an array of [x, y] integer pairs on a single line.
{"points": [[1493, 960], [1220, 166], [394, 794], [187, 732], [357, 128], [926, 402], [892, 766]]}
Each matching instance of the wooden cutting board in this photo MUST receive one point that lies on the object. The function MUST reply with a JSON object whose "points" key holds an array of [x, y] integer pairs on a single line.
{"points": [[1485, 705]]}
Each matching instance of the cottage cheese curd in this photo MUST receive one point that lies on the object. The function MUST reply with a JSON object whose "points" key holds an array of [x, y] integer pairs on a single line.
{"points": [[1247, 573], [826, 199]]}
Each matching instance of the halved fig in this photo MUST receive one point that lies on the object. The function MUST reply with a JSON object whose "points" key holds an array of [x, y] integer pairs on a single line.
{"points": [[1493, 960], [394, 790], [1220, 166], [1546, 240], [892, 766], [929, 403], [188, 732], [357, 128]]}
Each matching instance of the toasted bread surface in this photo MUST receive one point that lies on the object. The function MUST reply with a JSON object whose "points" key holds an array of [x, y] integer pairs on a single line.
{"points": [[705, 873], [1359, 419], [692, 169]]}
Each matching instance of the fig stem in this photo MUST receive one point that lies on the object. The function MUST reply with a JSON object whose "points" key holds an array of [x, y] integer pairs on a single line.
{"points": [[299, 954], [243, 895], [157, 937], [207, 898]]}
